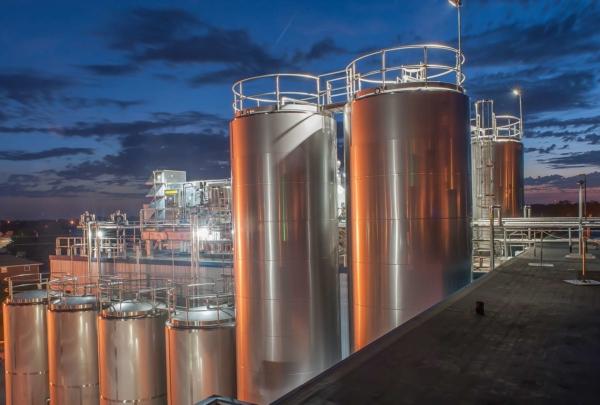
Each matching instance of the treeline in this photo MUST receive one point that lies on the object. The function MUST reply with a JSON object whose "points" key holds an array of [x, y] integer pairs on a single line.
{"points": [[564, 209]]}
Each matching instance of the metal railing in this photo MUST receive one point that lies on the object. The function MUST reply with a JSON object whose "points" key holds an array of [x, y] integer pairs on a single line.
{"points": [[130, 287], [334, 87], [70, 246], [25, 282], [186, 299], [73, 286], [384, 67], [276, 90], [508, 127]]}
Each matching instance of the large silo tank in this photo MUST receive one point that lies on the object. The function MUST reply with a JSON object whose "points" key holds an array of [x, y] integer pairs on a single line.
{"points": [[131, 354], [73, 350], [200, 354], [25, 348], [410, 203], [285, 245], [508, 176]]}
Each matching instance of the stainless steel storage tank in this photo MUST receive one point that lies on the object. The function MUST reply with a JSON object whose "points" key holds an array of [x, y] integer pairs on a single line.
{"points": [[25, 347], [131, 354], [509, 176], [73, 350], [410, 191], [200, 354], [283, 159]]}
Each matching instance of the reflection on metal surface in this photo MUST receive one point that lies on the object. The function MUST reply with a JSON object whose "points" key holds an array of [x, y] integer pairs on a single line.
{"points": [[409, 205], [200, 340], [25, 351], [285, 221], [73, 351], [25, 334], [508, 177], [131, 356], [131, 340]]}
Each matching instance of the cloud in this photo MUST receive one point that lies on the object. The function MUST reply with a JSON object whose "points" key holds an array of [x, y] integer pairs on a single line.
{"points": [[569, 33], [319, 50], [564, 182], [576, 159], [562, 124], [111, 70], [20, 185], [148, 27], [542, 151], [201, 155], [175, 37], [29, 87], [21, 155], [551, 91], [82, 102], [159, 121]]}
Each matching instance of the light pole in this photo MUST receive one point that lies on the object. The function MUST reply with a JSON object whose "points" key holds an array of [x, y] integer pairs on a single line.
{"points": [[458, 4], [518, 93]]}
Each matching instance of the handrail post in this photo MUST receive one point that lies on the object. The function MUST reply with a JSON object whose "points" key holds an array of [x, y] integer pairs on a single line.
{"points": [[383, 69], [426, 62], [318, 82], [277, 94]]}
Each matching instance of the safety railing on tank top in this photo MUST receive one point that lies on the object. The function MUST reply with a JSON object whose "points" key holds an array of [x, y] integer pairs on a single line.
{"points": [[280, 89], [131, 287], [505, 127], [25, 282], [508, 127], [66, 285], [423, 64], [276, 90], [200, 295]]}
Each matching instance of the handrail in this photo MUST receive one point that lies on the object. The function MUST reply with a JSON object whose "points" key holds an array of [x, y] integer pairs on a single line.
{"points": [[508, 127], [276, 91], [423, 72], [23, 282], [198, 295]]}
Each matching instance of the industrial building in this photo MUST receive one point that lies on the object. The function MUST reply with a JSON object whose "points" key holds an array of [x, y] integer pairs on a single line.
{"points": [[233, 287]]}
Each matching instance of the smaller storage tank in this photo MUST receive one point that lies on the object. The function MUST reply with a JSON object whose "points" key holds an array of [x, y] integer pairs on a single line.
{"points": [[131, 353], [497, 162], [200, 354], [73, 350], [509, 175], [25, 348]]}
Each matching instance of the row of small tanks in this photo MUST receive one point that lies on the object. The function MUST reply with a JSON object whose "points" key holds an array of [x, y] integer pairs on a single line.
{"points": [[117, 340]]}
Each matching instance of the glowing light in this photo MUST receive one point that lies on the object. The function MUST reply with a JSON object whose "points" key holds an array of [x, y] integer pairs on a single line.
{"points": [[203, 233], [72, 222], [516, 92], [100, 234]]}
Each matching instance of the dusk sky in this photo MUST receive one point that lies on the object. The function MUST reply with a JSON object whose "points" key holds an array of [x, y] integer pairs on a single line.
{"points": [[95, 95]]}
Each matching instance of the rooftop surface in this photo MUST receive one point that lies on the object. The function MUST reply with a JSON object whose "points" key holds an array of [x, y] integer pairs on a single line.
{"points": [[539, 341]]}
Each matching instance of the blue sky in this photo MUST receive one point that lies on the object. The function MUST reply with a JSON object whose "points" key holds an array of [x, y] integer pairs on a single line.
{"points": [[96, 94]]}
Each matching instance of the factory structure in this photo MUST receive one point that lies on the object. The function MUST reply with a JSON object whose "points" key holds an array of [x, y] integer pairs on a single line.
{"points": [[232, 287]]}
